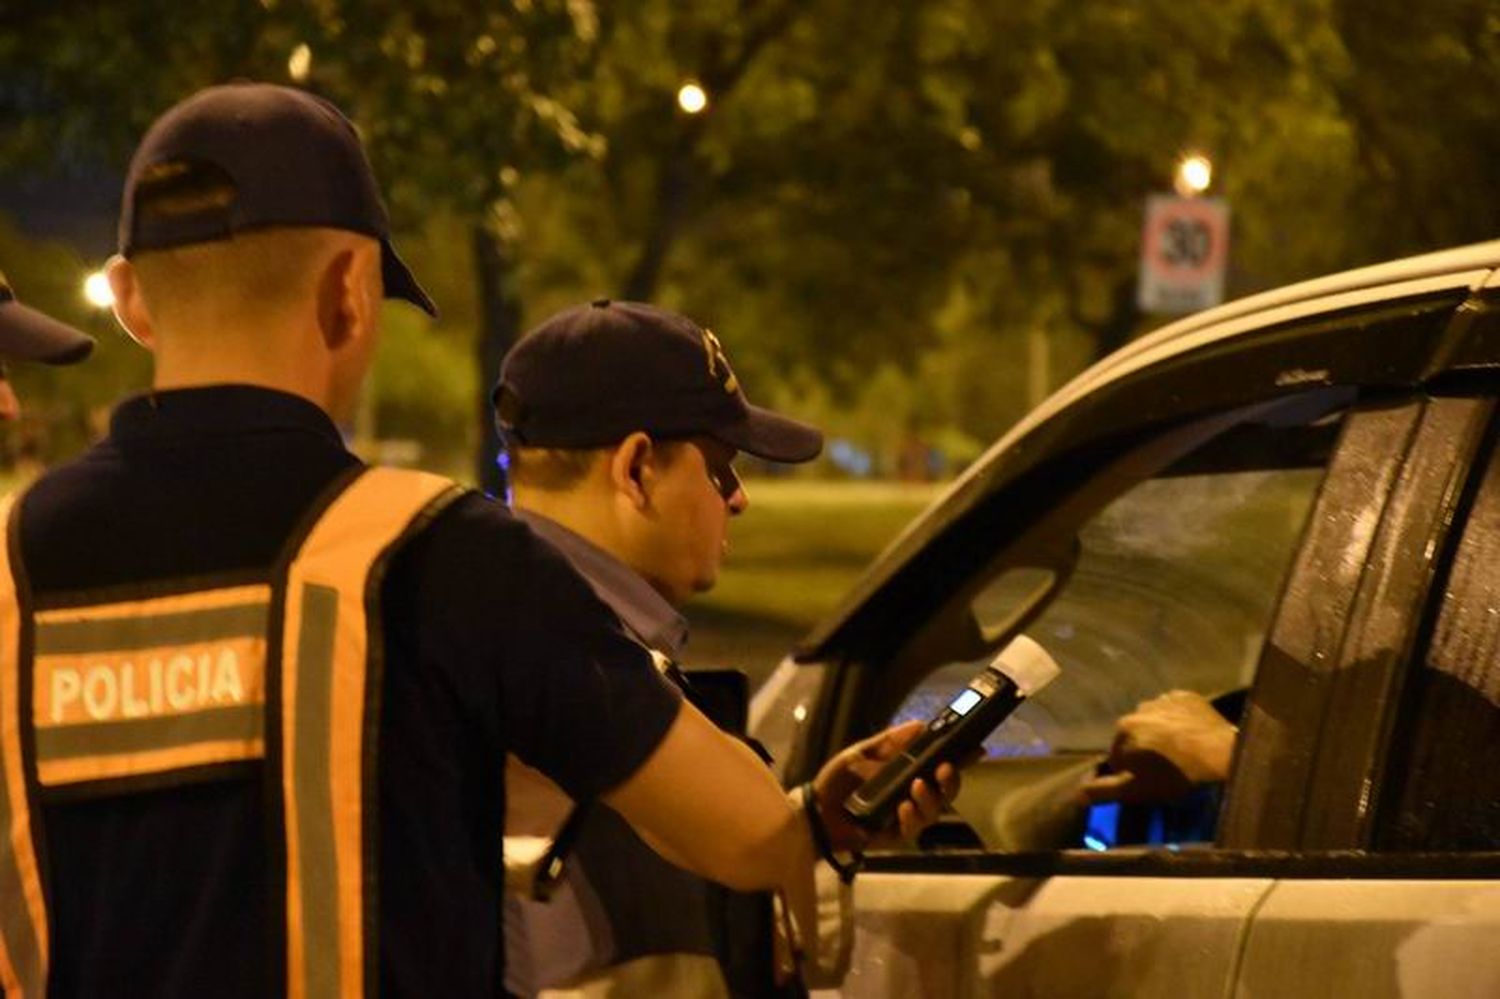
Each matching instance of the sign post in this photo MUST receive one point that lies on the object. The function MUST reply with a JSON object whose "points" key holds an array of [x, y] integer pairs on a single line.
{"points": [[1184, 252]]}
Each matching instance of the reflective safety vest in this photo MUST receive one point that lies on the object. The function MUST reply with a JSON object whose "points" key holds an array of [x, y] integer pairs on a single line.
{"points": [[194, 682]]}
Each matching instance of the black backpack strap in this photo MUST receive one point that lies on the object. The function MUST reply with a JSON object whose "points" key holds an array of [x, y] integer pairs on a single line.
{"points": [[554, 863]]}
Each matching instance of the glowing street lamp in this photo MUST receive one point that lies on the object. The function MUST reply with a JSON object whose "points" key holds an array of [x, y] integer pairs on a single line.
{"points": [[692, 98], [97, 291], [1194, 173], [300, 64]]}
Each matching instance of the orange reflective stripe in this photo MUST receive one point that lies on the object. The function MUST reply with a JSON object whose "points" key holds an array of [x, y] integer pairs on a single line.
{"points": [[324, 690], [151, 761], [178, 619], [23, 915]]}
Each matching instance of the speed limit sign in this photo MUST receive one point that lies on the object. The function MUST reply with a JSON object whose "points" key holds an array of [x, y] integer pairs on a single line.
{"points": [[1184, 250]]}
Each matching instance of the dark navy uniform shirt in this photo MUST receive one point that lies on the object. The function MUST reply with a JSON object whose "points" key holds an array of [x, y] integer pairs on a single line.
{"points": [[492, 644], [620, 902]]}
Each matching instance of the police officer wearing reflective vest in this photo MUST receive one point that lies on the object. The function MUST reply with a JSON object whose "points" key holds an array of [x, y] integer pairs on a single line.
{"points": [[621, 422], [29, 335], [256, 697]]}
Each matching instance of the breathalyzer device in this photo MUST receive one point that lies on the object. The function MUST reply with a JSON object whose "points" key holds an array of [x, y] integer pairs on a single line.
{"points": [[1021, 669]]}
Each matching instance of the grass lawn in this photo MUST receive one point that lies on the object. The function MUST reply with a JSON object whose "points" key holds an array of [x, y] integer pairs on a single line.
{"points": [[793, 555]]}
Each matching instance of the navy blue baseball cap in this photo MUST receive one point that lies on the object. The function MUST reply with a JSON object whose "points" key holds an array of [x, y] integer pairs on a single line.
{"points": [[245, 156], [28, 335], [594, 374]]}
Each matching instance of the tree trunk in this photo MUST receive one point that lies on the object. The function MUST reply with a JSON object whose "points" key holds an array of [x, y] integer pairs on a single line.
{"points": [[496, 275], [674, 192], [681, 172], [1119, 327]]}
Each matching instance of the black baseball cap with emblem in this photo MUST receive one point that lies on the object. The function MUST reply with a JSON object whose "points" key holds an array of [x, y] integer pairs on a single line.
{"points": [[244, 156], [28, 335], [594, 374]]}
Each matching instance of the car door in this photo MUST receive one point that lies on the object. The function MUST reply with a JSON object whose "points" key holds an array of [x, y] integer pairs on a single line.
{"points": [[1276, 905], [1174, 583], [1408, 771]]}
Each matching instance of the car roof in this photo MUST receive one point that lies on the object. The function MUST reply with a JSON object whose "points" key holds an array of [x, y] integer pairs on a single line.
{"points": [[1433, 284]]}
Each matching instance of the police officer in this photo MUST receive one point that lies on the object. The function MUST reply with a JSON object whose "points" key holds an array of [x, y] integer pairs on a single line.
{"points": [[28, 335], [255, 697], [621, 423]]}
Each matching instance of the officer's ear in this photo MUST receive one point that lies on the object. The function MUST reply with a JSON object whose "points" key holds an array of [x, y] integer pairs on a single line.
{"points": [[632, 469], [129, 305], [349, 293]]}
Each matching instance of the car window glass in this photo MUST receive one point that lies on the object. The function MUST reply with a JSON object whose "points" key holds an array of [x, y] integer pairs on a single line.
{"points": [[1175, 586]]}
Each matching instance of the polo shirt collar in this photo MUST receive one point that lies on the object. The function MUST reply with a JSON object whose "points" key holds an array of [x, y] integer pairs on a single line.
{"points": [[643, 610], [218, 410]]}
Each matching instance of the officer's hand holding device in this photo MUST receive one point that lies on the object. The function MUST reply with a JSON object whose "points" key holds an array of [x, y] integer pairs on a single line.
{"points": [[1020, 670]]}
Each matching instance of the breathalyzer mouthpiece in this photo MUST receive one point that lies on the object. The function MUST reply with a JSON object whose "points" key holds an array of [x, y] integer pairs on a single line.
{"points": [[1026, 664]]}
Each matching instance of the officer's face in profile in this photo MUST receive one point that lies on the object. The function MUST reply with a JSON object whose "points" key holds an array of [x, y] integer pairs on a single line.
{"points": [[696, 492]]}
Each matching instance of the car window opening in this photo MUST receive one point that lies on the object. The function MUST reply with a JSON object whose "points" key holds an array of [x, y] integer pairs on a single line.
{"points": [[1169, 583]]}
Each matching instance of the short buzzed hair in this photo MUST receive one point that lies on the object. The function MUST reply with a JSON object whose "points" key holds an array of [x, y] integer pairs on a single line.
{"points": [[549, 469], [558, 469], [253, 274]]}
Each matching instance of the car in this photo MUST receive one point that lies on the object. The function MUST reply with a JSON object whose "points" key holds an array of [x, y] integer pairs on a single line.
{"points": [[1292, 500]]}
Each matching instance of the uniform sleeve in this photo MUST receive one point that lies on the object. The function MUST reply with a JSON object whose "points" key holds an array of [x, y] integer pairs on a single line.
{"points": [[584, 703], [537, 656]]}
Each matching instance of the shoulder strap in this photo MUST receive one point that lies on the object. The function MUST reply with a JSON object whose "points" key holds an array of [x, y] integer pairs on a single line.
{"points": [[329, 707], [23, 913]]}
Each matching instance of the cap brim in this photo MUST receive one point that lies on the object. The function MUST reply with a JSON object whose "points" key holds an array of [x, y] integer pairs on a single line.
{"points": [[400, 282], [772, 436], [28, 335]]}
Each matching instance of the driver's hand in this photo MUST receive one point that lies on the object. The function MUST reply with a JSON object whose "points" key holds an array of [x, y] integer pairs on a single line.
{"points": [[1163, 749], [843, 774]]}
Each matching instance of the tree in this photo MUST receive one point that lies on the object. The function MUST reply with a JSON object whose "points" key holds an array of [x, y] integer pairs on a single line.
{"points": [[461, 102], [916, 186], [1418, 94], [453, 97]]}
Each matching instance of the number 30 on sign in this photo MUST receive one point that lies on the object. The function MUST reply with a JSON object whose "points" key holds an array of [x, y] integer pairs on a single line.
{"points": [[1184, 250]]}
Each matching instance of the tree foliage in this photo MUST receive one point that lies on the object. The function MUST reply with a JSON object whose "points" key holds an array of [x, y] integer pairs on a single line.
{"points": [[877, 193]]}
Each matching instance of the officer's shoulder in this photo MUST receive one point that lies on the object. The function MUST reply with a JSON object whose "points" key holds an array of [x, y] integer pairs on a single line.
{"points": [[54, 495], [479, 538], [477, 519]]}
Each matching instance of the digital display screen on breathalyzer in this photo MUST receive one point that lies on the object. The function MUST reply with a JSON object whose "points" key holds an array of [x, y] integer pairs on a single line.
{"points": [[965, 701]]}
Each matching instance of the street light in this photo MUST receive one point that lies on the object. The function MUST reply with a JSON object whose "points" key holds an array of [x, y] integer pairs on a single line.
{"points": [[97, 290], [1194, 173], [300, 63], [691, 97]]}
